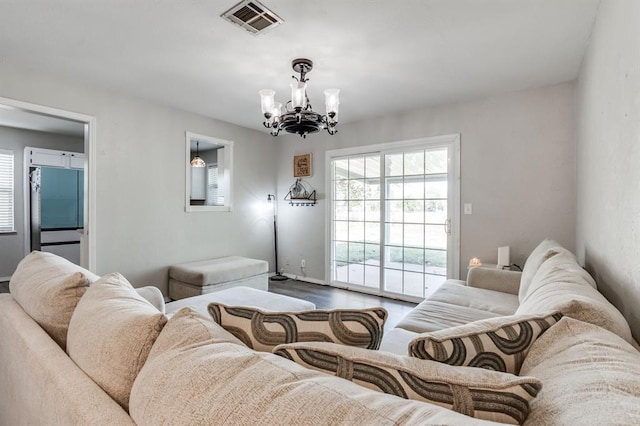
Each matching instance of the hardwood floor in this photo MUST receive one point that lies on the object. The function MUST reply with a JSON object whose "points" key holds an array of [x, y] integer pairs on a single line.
{"points": [[326, 297], [4, 287]]}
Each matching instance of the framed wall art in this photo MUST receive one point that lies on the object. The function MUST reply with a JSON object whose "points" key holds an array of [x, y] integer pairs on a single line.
{"points": [[302, 165]]}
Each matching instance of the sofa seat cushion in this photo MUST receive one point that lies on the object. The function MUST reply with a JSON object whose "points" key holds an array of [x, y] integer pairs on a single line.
{"points": [[456, 304], [263, 330], [499, 344], [196, 374], [589, 375], [48, 288], [396, 341], [111, 333], [474, 392]]}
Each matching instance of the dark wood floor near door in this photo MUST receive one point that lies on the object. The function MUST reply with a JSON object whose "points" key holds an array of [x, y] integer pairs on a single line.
{"points": [[4, 287], [326, 297]]}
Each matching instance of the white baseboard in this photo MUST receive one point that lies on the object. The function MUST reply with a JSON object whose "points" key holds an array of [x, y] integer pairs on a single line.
{"points": [[306, 279], [3, 279]]}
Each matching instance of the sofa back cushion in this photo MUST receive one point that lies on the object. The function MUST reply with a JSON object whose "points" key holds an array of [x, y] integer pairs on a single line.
{"points": [[560, 284], [544, 251], [48, 288], [264, 330], [197, 373], [474, 392], [577, 301], [589, 376], [562, 267], [111, 333]]}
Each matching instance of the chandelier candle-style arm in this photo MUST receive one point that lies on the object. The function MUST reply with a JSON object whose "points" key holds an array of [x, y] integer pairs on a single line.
{"points": [[298, 116]]}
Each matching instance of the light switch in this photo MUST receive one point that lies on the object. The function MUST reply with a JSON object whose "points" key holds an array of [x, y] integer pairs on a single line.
{"points": [[468, 208]]}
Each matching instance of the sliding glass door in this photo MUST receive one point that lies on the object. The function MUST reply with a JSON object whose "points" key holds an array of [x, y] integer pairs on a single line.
{"points": [[392, 212]]}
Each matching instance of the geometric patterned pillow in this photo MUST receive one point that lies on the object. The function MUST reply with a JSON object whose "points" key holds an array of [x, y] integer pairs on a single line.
{"points": [[475, 392], [263, 330], [499, 344]]}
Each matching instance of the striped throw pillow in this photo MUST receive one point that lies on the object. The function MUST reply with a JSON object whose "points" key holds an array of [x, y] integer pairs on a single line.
{"points": [[483, 394], [499, 344], [263, 330]]}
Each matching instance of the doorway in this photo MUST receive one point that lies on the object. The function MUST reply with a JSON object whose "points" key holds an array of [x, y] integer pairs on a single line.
{"points": [[24, 115]]}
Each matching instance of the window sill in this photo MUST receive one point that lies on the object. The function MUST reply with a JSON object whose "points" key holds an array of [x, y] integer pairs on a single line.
{"points": [[9, 232]]}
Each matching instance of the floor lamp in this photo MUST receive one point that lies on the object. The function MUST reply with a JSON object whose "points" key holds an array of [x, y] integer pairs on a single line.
{"points": [[271, 202]]}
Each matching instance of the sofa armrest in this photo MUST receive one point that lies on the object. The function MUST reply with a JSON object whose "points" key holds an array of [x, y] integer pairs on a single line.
{"points": [[153, 295], [494, 279]]}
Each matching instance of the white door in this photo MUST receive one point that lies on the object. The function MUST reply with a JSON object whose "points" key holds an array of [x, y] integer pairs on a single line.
{"points": [[393, 217]]}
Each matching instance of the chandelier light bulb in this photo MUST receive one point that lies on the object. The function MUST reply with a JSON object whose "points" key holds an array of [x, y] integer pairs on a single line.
{"points": [[267, 101], [298, 95], [277, 111], [332, 102]]}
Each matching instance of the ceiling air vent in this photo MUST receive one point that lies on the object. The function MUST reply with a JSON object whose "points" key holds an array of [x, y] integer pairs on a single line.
{"points": [[253, 16]]}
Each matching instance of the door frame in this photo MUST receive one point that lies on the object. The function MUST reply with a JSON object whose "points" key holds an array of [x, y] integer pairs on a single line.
{"points": [[88, 248], [453, 255]]}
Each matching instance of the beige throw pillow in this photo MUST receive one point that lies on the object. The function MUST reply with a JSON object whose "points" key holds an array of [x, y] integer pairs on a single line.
{"points": [[111, 333], [474, 392], [48, 288], [262, 330], [499, 344]]}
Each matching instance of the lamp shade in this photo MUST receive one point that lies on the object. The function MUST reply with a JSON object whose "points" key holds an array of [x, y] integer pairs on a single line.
{"points": [[267, 100], [332, 102], [298, 95], [197, 162]]}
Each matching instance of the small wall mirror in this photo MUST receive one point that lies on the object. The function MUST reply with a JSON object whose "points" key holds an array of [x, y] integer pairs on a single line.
{"points": [[209, 167]]}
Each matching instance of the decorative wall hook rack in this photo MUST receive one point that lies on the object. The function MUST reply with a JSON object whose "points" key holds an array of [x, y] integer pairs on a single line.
{"points": [[301, 194]]}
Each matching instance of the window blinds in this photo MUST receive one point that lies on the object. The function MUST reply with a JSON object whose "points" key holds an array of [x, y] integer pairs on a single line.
{"points": [[6, 191]]}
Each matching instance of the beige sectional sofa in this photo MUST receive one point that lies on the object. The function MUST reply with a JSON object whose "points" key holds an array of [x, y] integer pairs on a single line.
{"points": [[79, 349]]}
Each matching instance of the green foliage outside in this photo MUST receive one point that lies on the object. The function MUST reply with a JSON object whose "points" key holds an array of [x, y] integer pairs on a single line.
{"points": [[359, 253]]}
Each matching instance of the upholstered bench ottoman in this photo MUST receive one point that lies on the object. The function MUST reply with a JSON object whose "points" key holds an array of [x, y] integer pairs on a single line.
{"points": [[207, 276], [241, 296]]}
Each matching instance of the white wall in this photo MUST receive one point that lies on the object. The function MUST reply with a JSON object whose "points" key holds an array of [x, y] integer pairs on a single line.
{"points": [[518, 171], [142, 226], [608, 157], [12, 245]]}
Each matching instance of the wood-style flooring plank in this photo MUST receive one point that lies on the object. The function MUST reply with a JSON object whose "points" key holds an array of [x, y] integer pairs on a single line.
{"points": [[327, 297]]}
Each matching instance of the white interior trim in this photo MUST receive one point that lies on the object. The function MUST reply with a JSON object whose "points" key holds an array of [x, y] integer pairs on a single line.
{"points": [[453, 262], [227, 185], [89, 258]]}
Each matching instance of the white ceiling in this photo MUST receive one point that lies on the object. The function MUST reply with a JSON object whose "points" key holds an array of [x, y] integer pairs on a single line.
{"points": [[385, 56]]}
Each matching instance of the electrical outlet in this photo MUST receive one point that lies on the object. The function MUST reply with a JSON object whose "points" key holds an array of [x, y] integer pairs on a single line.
{"points": [[303, 263]]}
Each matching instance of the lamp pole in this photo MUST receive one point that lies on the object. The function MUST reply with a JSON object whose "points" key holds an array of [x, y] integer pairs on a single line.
{"points": [[271, 200]]}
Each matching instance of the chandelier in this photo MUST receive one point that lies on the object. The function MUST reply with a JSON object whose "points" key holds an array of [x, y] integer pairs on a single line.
{"points": [[298, 116]]}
